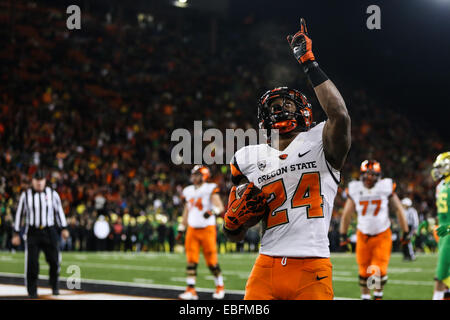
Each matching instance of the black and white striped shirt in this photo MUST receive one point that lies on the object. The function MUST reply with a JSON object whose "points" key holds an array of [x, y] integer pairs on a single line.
{"points": [[412, 218], [41, 209]]}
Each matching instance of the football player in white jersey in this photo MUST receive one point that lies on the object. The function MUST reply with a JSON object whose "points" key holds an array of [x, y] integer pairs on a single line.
{"points": [[291, 186], [202, 204], [370, 197]]}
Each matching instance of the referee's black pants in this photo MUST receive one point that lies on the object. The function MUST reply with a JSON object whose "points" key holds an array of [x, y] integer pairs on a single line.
{"points": [[47, 240]]}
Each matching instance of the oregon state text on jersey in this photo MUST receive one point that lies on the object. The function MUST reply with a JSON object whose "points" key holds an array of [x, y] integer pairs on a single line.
{"points": [[372, 205], [199, 201], [300, 187]]}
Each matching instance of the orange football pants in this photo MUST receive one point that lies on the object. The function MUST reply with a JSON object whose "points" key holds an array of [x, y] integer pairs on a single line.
{"points": [[373, 251], [205, 238], [285, 278]]}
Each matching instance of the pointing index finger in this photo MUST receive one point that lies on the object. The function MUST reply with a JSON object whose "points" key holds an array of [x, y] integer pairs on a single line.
{"points": [[303, 28]]}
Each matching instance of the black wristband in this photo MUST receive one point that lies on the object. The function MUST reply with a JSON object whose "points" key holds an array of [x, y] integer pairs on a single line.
{"points": [[232, 232], [314, 73]]}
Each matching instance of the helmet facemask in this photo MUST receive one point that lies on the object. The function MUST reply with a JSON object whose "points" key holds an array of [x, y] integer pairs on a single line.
{"points": [[278, 116]]}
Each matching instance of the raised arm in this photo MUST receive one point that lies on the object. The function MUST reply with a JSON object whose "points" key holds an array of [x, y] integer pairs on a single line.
{"points": [[337, 130], [336, 133]]}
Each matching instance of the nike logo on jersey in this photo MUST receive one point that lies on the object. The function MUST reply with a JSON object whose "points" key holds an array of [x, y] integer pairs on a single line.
{"points": [[302, 154], [320, 278]]}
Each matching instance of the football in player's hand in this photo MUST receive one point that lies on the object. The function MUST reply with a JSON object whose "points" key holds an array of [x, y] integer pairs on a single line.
{"points": [[240, 190], [253, 220]]}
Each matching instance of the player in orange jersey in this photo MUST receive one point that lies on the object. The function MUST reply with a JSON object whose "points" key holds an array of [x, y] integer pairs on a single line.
{"points": [[203, 203], [370, 198]]}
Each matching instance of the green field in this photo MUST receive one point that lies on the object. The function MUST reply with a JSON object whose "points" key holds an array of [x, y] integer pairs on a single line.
{"points": [[407, 280]]}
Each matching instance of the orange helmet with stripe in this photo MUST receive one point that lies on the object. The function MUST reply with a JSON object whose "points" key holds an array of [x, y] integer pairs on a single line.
{"points": [[203, 170], [370, 172]]}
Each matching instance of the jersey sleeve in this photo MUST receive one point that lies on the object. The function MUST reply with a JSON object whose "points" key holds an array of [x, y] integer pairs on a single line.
{"points": [[388, 187], [184, 194], [215, 189], [394, 186], [237, 173], [60, 215], [19, 212], [351, 190]]}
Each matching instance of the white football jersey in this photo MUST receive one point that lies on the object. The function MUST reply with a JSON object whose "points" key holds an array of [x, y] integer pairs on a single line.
{"points": [[300, 186], [372, 205], [198, 202]]}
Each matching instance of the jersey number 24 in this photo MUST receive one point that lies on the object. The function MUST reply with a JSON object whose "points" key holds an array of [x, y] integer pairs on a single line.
{"points": [[307, 194]]}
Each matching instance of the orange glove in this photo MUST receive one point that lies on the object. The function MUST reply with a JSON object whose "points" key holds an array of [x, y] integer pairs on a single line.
{"points": [[301, 44], [253, 203]]}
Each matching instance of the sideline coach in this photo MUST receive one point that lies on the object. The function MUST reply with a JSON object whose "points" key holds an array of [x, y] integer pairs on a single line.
{"points": [[43, 212]]}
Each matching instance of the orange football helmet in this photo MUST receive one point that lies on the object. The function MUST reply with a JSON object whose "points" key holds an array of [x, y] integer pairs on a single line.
{"points": [[204, 171], [370, 171]]}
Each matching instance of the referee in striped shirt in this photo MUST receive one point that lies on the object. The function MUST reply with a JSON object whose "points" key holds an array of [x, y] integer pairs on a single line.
{"points": [[44, 216]]}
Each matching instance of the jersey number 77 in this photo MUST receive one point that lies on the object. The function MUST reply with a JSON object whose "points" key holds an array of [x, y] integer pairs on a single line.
{"points": [[307, 194]]}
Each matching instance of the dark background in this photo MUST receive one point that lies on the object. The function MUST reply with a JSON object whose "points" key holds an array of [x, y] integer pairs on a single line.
{"points": [[405, 65]]}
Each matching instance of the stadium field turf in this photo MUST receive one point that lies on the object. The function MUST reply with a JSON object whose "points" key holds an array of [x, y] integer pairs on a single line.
{"points": [[407, 280]]}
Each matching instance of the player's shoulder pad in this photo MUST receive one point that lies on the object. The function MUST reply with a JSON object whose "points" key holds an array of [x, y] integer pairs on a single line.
{"points": [[247, 153], [388, 185], [315, 133], [318, 127], [243, 160], [187, 189], [354, 185], [213, 187]]}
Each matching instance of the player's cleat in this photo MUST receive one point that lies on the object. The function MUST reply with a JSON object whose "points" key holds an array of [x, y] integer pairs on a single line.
{"points": [[189, 294], [220, 293]]}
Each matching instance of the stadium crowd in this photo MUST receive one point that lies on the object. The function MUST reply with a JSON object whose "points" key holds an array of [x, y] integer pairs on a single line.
{"points": [[96, 107]]}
